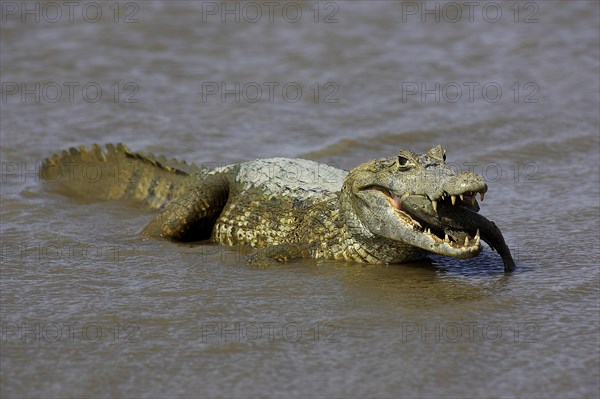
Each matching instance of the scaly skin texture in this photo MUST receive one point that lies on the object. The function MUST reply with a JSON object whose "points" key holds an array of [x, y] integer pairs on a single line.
{"points": [[289, 208]]}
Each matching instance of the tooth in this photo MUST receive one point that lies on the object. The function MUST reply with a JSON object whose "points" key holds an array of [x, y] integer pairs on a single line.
{"points": [[477, 239], [481, 195], [462, 197], [477, 234], [446, 238], [473, 199], [466, 241], [453, 198], [434, 204]]}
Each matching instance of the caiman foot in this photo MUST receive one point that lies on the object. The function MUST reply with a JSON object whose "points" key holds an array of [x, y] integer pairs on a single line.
{"points": [[191, 216], [276, 255]]}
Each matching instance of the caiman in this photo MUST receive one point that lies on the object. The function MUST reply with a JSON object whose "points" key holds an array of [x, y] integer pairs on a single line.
{"points": [[387, 210]]}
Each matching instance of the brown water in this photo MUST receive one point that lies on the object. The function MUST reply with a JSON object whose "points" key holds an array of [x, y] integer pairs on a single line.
{"points": [[89, 309]]}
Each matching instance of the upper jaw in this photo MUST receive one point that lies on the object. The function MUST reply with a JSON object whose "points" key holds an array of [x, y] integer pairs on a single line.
{"points": [[467, 198]]}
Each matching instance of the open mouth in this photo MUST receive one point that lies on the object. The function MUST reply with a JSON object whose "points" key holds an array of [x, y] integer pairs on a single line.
{"points": [[430, 216], [452, 223]]}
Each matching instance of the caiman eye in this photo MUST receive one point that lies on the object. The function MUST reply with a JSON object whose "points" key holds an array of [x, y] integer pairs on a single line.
{"points": [[404, 163], [444, 157]]}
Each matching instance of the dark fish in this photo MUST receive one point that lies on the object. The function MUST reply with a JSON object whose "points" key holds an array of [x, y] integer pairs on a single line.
{"points": [[456, 221]]}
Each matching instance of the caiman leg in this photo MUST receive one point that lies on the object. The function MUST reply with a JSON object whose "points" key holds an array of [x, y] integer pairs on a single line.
{"points": [[462, 219], [191, 216]]}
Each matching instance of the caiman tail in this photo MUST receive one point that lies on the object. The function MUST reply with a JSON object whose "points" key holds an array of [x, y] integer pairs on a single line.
{"points": [[117, 173]]}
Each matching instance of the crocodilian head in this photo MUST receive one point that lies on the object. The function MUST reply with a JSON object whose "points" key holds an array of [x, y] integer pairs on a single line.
{"points": [[418, 200]]}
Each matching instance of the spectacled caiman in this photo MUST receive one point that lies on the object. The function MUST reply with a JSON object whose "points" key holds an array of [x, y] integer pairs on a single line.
{"points": [[387, 210]]}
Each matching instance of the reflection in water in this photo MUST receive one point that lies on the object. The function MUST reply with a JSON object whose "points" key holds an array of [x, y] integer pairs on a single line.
{"points": [[410, 286]]}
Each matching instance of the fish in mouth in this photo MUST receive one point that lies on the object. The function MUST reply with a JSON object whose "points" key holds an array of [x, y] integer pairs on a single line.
{"points": [[453, 220]]}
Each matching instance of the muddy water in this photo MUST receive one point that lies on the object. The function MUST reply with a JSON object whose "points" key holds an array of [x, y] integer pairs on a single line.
{"points": [[510, 89]]}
